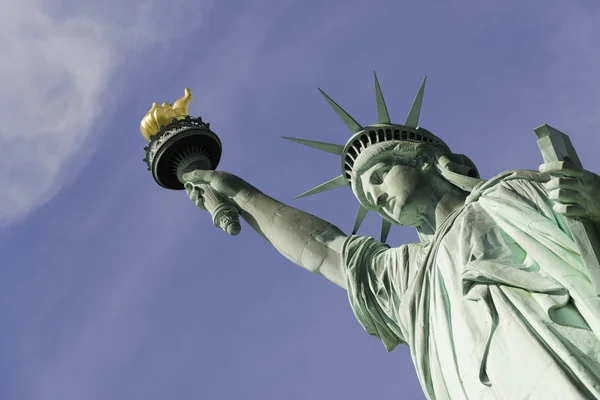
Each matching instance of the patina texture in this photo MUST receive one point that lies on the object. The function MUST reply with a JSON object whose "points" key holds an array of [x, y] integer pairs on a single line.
{"points": [[496, 301]]}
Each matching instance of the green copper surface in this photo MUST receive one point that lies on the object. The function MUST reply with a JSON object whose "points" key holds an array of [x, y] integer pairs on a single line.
{"points": [[412, 119], [382, 113], [348, 120]]}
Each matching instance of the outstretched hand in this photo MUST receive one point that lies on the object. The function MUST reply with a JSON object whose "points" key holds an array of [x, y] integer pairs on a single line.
{"points": [[224, 183], [575, 191]]}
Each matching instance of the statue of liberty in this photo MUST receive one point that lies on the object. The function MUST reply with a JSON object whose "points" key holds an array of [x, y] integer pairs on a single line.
{"points": [[494, 302]]}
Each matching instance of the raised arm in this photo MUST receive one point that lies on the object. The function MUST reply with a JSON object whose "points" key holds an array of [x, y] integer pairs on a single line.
{"points": [[302, 238]]}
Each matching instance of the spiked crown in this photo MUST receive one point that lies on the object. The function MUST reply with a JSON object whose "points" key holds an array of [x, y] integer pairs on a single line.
{"points": [[364, 137]]}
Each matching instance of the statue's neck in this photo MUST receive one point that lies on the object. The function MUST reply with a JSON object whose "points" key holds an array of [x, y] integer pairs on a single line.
{"points": [[445, 199]]}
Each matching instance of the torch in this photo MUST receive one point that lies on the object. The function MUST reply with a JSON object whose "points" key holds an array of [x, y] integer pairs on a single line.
{"points": [[178, 144]]}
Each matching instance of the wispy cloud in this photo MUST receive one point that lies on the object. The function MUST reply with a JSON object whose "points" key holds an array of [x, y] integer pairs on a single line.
{"points": [[56, 66]]}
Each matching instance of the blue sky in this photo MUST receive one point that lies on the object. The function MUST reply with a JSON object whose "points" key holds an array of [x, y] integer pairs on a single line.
{"points": [[113, 288]]}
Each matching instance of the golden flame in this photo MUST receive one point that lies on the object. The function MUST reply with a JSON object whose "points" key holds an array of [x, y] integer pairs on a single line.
{"points": [[163, 115]]}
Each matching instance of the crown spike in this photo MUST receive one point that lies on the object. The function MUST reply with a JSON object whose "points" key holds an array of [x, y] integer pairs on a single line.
{"points": [[334, 183], [360, 216], [412, 120], [326, 147], [383, 117], [385, 229], [348, 120]]}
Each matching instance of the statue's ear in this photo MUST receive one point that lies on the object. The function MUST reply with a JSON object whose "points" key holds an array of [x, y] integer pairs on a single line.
{"points": [[427, 158]]}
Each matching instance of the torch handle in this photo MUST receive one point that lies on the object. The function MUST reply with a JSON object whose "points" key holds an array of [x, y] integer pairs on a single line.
{"points": [[225, 215]]}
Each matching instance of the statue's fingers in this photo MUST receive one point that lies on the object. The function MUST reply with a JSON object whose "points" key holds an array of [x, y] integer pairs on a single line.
{"points": [[189, 188], [200, 199], [191, 192], [561, 168], [562, 183], [200, 176], [195, 194], [565, 196], [569, 210]]}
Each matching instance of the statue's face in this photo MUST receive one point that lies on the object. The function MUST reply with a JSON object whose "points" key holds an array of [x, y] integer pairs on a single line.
{"points": [[397, 190]]}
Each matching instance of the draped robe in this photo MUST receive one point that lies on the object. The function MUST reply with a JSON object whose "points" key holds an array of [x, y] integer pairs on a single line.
{"points": [[497, 306]]}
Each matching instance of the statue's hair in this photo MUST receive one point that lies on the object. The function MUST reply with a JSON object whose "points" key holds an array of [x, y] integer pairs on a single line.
{"points": [[457, 169]]}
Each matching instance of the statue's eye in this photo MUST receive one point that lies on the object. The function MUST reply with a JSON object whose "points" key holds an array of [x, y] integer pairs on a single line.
{"points": [[378, 177]]}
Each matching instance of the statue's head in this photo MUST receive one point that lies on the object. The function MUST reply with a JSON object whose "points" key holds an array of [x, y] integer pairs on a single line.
{"points": [[397, 178], [392, 169]]}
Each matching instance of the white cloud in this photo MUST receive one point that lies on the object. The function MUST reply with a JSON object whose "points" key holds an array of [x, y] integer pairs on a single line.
{"points": [[55, 69]]}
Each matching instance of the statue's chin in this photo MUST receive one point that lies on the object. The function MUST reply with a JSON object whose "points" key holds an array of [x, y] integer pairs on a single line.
{"points": [[398, 220], [404, 215], [412, 220]]}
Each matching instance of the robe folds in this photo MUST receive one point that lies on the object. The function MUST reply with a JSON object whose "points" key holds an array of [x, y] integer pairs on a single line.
{"points": [[497, 306]]}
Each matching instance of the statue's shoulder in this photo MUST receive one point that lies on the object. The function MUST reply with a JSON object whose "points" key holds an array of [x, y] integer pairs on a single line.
{"points": [[512, 180], [513, 175]]}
